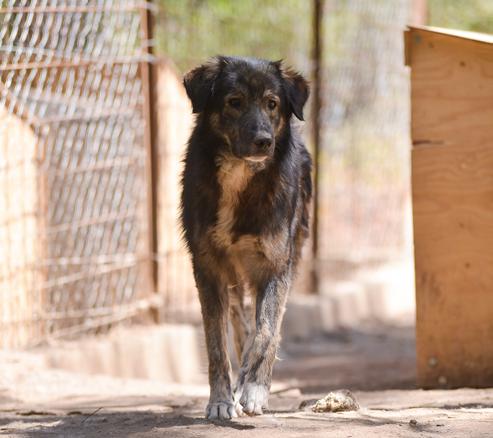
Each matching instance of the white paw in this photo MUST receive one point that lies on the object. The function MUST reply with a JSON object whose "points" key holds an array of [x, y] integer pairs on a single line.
{"points": [[254, 398], [236, 401], [220, 411]]}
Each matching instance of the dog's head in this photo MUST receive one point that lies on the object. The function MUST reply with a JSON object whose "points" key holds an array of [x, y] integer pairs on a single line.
{"points": [[246, 102]]}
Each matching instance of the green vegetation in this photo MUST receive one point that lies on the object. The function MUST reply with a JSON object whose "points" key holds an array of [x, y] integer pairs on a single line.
{"points": [[364, 161], [366, 114], [189, 31], [474, 15]]}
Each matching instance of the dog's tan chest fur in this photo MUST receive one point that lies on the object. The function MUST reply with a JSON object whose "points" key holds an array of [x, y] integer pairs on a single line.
{"points": [[233, 177]]}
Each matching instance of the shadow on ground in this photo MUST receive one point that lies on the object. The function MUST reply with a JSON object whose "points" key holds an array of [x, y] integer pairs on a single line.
{"points": [[187, 421], [106, 424], [377, 363], [177, 422], [375, 359]]}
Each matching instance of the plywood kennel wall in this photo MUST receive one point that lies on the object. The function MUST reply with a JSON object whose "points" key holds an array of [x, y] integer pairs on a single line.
{"points": [[452, 185]]}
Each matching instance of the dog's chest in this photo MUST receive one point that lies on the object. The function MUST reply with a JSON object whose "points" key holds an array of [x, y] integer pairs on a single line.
{"points": [[247, 250], [233, 178]]}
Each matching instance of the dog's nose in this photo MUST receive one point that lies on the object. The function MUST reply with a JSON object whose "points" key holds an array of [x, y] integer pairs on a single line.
{"points": [[263, 141]]}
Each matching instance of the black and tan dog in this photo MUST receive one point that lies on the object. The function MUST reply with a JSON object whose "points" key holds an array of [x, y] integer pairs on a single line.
{"points": [[245, 213]]}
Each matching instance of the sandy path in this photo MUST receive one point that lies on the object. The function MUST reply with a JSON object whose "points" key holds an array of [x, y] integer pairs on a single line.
{"points": [[40, 402]]}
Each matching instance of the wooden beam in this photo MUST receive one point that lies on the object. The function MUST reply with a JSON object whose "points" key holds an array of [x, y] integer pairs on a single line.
{"points": [[150, 138], [317, 51]]}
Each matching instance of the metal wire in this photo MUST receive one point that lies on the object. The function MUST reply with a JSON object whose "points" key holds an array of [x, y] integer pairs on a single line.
{"points": [[364, 193], [364, 187], [73, 191], [72, 166]]}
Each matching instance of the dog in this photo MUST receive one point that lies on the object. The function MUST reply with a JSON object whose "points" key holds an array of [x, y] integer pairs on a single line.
{"points": [[246, 191]]}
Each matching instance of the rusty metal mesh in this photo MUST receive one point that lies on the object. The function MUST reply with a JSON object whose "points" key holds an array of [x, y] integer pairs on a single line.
{"points": [[73, 182]]}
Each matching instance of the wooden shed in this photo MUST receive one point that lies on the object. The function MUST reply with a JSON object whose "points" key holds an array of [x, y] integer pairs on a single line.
{"points": [[452, 185]]}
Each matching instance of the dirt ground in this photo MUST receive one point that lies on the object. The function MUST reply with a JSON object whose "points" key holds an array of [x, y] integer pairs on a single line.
{"points": [[377, 365]]}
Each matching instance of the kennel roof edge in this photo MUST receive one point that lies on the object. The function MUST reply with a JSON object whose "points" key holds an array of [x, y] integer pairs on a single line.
{"points": [[463, 34], [459, 36]]}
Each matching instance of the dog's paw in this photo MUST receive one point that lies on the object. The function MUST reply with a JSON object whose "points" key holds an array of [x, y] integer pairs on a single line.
{"points": [[220, 410], [239, 409], [254, 398], [236, 401]]}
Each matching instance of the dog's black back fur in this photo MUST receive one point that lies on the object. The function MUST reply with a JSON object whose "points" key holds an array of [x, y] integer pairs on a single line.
{"points": [[245, 213]]}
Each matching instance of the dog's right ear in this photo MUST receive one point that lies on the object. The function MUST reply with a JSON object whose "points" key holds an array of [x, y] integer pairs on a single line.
{"points": [[199, 83]]}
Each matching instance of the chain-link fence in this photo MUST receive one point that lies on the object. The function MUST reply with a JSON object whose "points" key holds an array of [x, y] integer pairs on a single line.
{"points": [[74, 253], [364, 179], [363, 200], [77, 222]]}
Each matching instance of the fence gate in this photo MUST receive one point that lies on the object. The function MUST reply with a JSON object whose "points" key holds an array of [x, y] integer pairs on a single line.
{"points": [[74, 167]]}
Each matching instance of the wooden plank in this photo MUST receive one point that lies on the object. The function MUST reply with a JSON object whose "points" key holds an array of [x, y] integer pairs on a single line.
{"points": [[20, 225], [453, 232], [462, 34], [176, 280], [452, 90], [452, 183]]}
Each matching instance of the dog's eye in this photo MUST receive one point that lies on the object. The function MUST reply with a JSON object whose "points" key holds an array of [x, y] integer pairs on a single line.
{"points": [[235, 102], [272, 104]]}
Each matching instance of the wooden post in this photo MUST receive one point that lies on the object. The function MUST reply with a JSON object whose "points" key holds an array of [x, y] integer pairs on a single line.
{"points": [[318, 8], [150, 136]]}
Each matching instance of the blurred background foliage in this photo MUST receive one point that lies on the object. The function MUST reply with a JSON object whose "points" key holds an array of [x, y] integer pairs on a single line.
{"points": [[193, 30], [365, 146], [474, 15], [188, 30]]}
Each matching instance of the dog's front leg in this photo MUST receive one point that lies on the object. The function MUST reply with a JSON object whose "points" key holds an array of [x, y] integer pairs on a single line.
{"points": [[260, 352], [214, 303]]}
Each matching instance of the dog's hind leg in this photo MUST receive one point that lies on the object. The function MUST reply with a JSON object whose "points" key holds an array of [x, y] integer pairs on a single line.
{"points": [[258, 359], [214, 302], [239, 318]]}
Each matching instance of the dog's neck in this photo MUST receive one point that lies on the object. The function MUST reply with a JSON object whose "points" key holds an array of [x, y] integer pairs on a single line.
{"points": [[233, 174]]}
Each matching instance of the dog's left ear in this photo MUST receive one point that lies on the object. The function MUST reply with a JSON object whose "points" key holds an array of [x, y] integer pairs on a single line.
{"points": [[199, 83], [297, 89]]}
